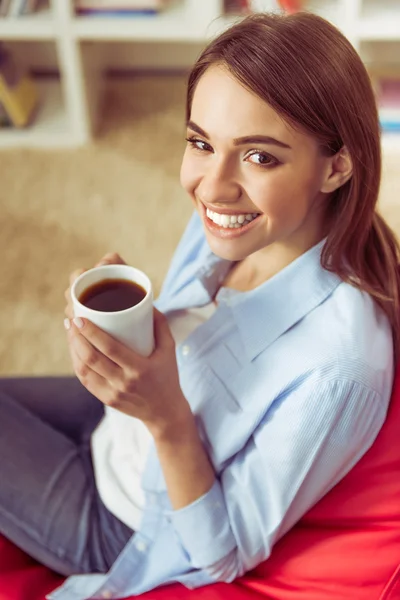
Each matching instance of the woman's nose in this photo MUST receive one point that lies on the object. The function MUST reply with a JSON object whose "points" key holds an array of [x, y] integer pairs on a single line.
{"points": [[218, 185]]}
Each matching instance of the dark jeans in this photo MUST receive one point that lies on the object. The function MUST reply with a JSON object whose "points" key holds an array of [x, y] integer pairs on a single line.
{"points": [[49, 504]]}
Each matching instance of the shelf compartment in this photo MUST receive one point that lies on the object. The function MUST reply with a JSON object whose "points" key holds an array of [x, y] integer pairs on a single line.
{"points": [[38, 26], [175, 23], [50, 126], [391, 142], [379, 20], [328, 9]]}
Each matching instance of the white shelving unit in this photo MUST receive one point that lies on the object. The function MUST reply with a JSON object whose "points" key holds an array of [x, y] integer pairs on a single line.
{"points": [[39, 26], [68, 110], [51, 124]]}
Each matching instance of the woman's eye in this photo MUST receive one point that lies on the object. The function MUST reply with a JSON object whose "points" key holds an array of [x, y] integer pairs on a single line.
{"points": [[199, 144], [262, 158]]}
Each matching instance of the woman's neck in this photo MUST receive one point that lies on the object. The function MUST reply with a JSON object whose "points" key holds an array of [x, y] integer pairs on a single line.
{"points": [[256, 269]]}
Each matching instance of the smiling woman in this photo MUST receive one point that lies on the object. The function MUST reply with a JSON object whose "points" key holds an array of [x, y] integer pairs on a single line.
{"points": [[245, 159], [273, 364], [328, 120]]}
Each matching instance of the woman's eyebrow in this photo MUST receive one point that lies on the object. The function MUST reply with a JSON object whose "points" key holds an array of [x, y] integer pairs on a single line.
{"points": [[247, 139], [260, 139], [191, 125]]}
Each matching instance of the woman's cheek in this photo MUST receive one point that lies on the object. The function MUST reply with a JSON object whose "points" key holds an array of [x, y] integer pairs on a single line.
{"points": [[274, 193], [187, 175]]}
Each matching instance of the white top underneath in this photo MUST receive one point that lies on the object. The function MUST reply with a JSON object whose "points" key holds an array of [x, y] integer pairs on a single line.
{"points": [[120, 443]]}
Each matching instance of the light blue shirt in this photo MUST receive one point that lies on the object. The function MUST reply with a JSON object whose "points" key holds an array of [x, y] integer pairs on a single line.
{"points": [[289, 384]]}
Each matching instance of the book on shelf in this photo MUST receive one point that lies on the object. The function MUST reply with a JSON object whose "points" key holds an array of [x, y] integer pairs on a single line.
{"points": [[18, 93], [252, 6], [17, 8], [117, 6], [4, 118], [4, 6], [237, 7], [30, 6]]}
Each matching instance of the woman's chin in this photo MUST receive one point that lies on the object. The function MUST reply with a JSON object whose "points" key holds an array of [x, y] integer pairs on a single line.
{"points": [[226, 249]]}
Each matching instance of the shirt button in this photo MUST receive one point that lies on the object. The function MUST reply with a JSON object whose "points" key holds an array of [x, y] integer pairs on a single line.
{"points": [[185, 350], [141, 546], [107, 595]]}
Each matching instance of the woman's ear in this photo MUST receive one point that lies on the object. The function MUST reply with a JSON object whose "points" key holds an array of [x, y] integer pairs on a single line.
{"points": [[339, 171]]}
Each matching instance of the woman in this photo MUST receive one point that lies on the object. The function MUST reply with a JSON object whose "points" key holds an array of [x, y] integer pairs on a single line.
{"points": [[275, 335]]}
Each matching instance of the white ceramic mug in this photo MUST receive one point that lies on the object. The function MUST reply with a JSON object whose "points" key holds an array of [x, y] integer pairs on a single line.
{"points": [[132, 326]]}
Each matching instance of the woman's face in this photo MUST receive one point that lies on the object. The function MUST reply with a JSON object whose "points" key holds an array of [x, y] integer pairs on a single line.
{"points": [[254, 179]]}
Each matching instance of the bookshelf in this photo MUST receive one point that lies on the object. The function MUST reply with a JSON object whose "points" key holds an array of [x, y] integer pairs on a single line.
{"points": [[187, 20], [379, 20], [50, 124], [39, 26], [69, 106]]}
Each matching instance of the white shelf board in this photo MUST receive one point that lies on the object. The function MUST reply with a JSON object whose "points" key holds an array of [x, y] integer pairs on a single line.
{"points": [[50, 127], [328, 9], [174, 24], [391, 142], [219, 25], [38, 26], [380, 20]]}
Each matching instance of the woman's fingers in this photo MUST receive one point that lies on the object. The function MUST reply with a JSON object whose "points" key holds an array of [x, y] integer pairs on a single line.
{"points": [[67, 294], [86, 358], [75, 274], [92, 381], [69, 312], [111, 258]]}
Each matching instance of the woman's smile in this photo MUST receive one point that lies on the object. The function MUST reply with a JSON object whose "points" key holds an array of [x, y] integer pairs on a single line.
{"points": [[255, 180], [230, 224]]}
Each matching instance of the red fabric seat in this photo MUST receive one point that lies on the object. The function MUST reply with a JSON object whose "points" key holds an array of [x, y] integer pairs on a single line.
{"points": [[348, 541], [22, 578]]}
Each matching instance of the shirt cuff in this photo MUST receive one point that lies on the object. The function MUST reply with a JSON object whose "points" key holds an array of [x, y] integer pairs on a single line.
{"points": [[204, 529]]}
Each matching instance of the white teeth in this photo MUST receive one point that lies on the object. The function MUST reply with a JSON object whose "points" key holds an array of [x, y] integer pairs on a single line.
{"points": [[230, 221], [225, 220]]}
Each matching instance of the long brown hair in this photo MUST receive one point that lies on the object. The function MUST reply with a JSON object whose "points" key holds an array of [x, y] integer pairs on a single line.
{"points": [[307, 71]]}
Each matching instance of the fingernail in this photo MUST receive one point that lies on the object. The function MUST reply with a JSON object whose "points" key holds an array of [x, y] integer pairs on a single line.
{"points": [[67, 324], [78, 322]]}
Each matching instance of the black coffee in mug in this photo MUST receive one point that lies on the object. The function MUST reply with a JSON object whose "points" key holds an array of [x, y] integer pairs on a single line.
{"points": [[112, 295]]}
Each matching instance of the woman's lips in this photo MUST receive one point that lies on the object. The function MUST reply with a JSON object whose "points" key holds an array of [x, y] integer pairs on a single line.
{"points": [[225, 232]]}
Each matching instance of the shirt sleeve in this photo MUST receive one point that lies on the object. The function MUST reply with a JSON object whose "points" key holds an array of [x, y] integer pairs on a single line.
{"points": [[305, 444]]}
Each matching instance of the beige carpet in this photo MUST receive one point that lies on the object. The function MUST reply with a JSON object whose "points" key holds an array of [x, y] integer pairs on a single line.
{"points": [[65, 209]]}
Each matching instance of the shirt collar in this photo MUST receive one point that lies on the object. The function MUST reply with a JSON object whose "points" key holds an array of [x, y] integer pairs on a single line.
{"points": [[265, 313]]}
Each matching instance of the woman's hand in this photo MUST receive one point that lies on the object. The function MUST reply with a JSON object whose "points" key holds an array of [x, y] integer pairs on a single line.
{"points": [[148, 389], [145, 388]]}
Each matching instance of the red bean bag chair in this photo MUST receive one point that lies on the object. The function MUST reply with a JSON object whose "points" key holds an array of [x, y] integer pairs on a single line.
{"points": [[350, 540]]}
